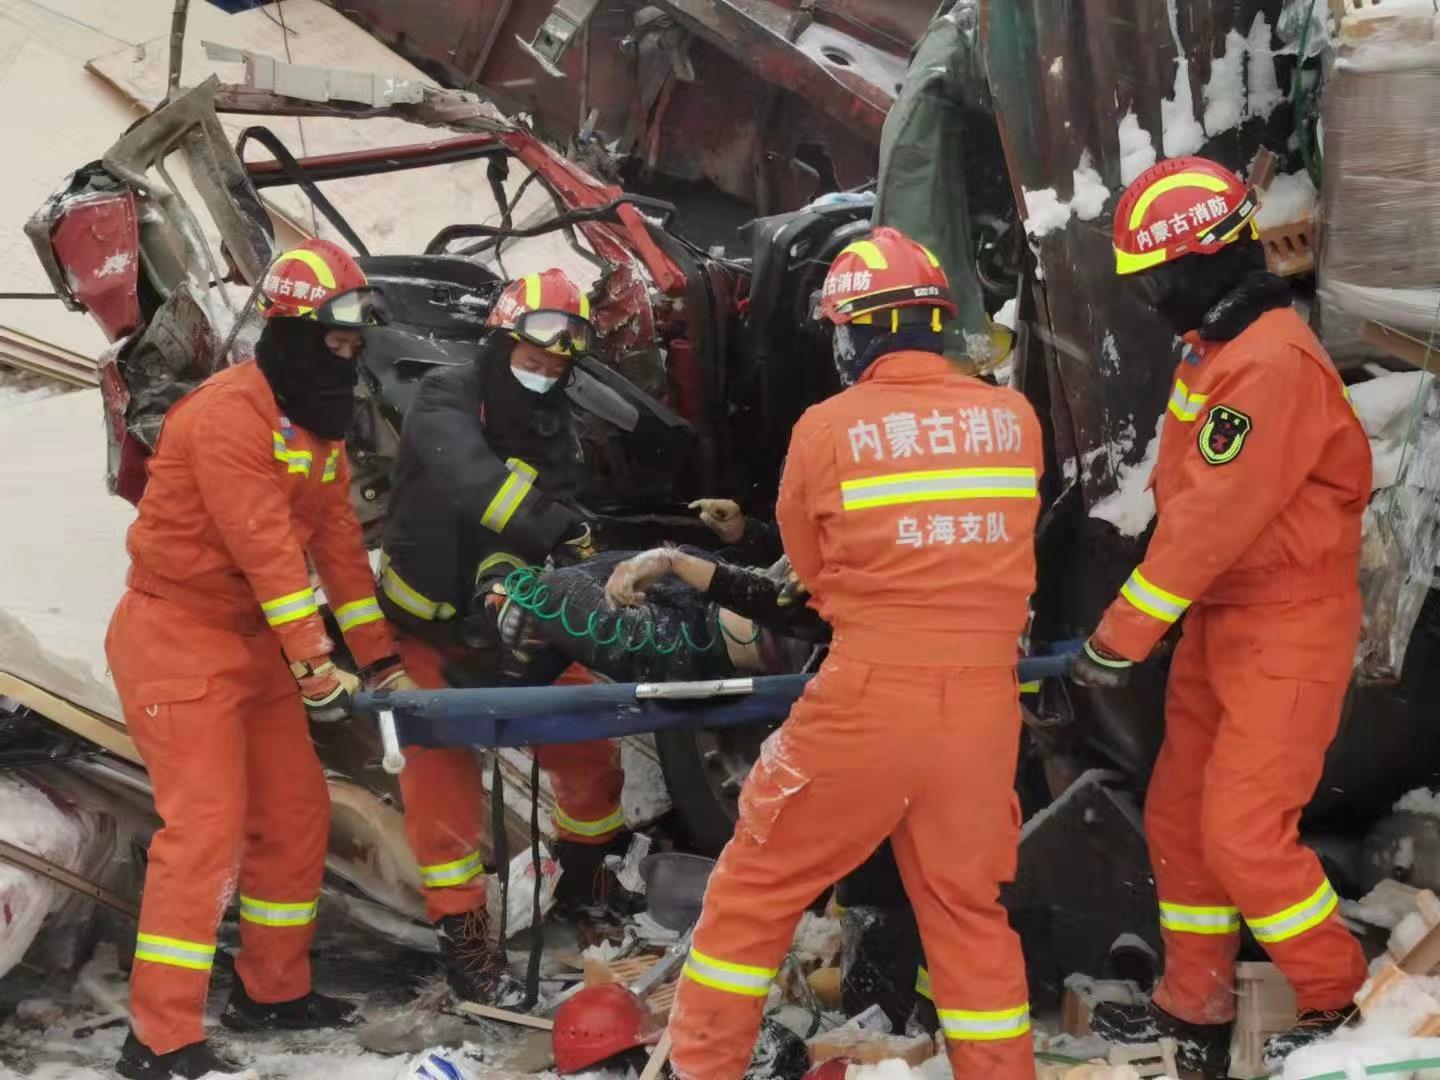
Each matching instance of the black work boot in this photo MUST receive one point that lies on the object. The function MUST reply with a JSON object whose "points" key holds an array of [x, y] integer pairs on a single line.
{"points": [[1202, 1048], [474, 964], [244, 1013], [139, 1062], [1311, 1026], [586, 882]]}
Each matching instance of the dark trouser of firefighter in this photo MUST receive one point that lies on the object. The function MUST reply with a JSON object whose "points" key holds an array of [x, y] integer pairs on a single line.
{"points": [[924, 755], [446, 811], [1254, 700], [217, 717]]}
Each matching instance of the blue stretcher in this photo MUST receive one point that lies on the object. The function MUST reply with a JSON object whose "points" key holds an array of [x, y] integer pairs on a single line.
{"points": [[536, 715]]}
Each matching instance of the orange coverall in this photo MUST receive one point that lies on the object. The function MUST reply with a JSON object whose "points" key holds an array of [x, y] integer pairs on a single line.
{"points": [[1263, 474], [908, 507], [219, 597], [446, 812]]}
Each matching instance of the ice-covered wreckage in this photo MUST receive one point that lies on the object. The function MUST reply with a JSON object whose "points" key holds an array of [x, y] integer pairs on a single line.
{"points": [[706, 359]]}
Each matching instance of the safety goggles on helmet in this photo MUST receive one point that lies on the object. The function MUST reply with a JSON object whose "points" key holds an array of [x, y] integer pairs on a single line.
{"points": [[555, 331], [354, 310]]}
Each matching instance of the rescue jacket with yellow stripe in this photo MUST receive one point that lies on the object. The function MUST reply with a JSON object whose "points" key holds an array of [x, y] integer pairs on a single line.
{"points": [[1262, 478], [237, 498], [466, 503]]}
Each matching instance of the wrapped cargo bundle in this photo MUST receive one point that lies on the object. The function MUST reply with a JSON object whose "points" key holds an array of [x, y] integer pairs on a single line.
{"points": [[1380, 258]]}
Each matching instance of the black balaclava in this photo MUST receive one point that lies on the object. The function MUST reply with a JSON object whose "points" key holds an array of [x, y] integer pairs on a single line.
{"points": [[519, 421], [857, 346], [1186, 291], [314, 387]]}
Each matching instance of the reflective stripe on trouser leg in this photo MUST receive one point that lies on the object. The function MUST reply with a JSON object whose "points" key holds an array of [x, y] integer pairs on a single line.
{"points": [[1297, 918], [971, 1025], [1189, 919], [448, 875], [275, 912], [732, 978], [593, 829], [194, 955]]}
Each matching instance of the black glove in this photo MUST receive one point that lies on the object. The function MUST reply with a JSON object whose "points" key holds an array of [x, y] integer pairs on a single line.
{"points": [[1095, 665]]}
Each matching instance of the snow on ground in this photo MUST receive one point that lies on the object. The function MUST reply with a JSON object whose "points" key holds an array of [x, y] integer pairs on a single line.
{"points": [[1131, 507], [19, 388], [1384, 406]]}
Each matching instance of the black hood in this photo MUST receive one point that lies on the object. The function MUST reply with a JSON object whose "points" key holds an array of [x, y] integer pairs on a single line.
{"points": [[1186, 290], [1256, 294], [518, 421], [313, 386]]}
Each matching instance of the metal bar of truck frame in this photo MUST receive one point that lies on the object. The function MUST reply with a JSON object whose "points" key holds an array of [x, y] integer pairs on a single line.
{"points": [[538, 715]]}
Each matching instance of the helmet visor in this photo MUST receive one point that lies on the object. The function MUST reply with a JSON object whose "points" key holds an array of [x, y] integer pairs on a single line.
{"points": [[354, 309], [556, 331]]}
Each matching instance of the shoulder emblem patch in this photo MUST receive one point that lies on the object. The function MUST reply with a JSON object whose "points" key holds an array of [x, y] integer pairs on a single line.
{"points": [[1223, 436]]}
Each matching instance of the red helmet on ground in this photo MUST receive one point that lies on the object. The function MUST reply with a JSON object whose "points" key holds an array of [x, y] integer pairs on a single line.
{"points": [[885, 271], [548, 310], [1182, 206], [319, 280], [598, 1023]]}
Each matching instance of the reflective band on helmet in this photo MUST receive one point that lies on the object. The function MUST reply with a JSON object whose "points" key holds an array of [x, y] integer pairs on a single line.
{"points": [[532, 291], [318, 266], [511, 494], [406, 598], [295, 461], [286, 609], [1152, 600], [938, 485], [966, 1025], [195, 955], [448, 875], [276, 913], [1126, 263], [1188, 919], [732, 978], [1297, 918], [868, 253], [357, 613], [1184, 405], [1212, 184], [922, 984], [599, 827], [332, 466]]}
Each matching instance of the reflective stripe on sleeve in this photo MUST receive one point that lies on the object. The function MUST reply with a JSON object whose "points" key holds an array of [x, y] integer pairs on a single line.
{"points": [[408, 598], [332, 466], [938, 485], [967, 1025], [1184, 405], [1188, 919], [276, 913], [448, 875], [1152, 600], [295, 461], [1297, 918], [357, 613], [511, 494], [195, 955], [922, 984], [286, 609], [731, 978], [598, 827]]}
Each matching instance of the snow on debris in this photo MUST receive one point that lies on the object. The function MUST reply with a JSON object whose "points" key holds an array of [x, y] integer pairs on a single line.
{"points": [[1182, 133], [1137, 149], [1091, 193], [1290, 197], [1046, 212], [1384, 406], [1225, 92], [1131, 507], [29, 819], [1420, 801], [1262, 89]]}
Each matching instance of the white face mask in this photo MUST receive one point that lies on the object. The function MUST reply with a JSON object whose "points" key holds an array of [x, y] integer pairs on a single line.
{"points": [[533, 381]]}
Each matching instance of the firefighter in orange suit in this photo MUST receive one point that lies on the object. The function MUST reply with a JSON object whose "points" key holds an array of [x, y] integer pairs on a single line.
{"points": [[907, 507], [484, 481], [1262, 477], [219, 625]]}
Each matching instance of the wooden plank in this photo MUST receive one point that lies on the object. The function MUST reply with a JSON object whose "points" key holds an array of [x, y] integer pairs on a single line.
{"points": [[658, 1057], [97, 729], [505, 1016], [31, 354], [1402, 346]]}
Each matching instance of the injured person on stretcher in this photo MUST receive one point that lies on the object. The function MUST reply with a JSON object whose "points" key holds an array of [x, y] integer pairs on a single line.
{"points": [[667, 614]]}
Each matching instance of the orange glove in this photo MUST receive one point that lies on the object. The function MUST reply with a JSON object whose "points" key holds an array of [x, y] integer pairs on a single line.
{"points": [[325, 690]]}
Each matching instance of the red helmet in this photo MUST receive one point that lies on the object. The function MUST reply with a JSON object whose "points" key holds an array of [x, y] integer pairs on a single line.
{"points": [[1183, 206], [598, 1023], [887, 270], [319, 280], [547, 310]]}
